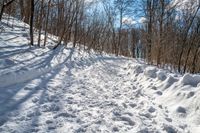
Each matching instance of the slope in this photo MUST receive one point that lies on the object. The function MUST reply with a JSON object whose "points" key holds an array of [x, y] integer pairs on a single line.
{"points": [[69, 90]]}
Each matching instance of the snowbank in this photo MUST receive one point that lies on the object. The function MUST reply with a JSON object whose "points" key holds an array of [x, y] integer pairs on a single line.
{"points": [[189, 79]]}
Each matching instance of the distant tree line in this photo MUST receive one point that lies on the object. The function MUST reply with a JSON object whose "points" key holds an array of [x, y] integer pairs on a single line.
{"points": [[169, 35]]}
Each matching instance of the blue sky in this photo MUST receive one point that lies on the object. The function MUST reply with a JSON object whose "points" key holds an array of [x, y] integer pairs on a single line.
{"points": [[130, 19]]}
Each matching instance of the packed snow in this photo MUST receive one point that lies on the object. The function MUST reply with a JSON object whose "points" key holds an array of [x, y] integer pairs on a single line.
{"points": [[69, 90]]}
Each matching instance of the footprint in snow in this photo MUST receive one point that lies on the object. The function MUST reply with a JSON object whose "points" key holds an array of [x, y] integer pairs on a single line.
{"points": [[35, 124], [190, 94], [115, 129], [64, 114], [134, 88], [181, 111], [139, 93], [128, 113], [154, 88], [34, 130], [49, 122], [160, 106], [159, 93], [81, 130], [146, 115], [151, 109], [125, 119], [51, 127], [145, 130], [124, 105], [35, 99], [117, 113], [168, 119], [52, 98], [128, 120], [133, 105], [50, 108], [169, 129], [32, 114]]}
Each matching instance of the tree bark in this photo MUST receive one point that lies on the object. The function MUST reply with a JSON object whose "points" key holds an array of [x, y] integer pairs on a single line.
{"points": [[46, 24], [31, 22]]}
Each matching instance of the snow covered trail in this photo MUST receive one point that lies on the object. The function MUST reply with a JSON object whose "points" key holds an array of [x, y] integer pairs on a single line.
{"points": [[71, 91], [99, 96]]}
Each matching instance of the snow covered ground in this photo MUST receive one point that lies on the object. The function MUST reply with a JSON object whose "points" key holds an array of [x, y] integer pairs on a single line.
{"points": [[71, 91]]}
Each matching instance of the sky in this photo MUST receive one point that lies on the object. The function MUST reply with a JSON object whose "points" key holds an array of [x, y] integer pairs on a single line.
{"points": [[130, 19], [135, 19]]}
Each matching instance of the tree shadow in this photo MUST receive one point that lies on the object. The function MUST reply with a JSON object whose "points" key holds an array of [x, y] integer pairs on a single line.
{"points": [[35, 120], [6, 54], [8, 104], [13, 47]]}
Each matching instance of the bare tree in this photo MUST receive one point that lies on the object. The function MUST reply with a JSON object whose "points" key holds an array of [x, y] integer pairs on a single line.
{"points": [[5, 4], [31, 22], [46, 23], [122, 6], [190, 21]]}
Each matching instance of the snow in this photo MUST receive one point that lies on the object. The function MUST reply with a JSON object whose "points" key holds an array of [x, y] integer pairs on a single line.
{"points": [[68, 90], [161, 75], [150, 72], [189, 79]]}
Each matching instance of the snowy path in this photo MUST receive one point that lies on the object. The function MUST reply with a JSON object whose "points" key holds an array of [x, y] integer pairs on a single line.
{"points": [[70, 91], [99, 96]]}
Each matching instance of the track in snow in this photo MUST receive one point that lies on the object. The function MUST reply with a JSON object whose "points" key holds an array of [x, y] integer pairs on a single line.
{"points": [[69, 90], [89, 94]]}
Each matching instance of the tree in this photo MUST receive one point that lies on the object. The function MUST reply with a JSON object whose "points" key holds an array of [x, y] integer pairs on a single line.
{"points": [[47, 22], [40, 22], [123, 7], [149, 8], [187, 28], [5, 4], [31, 22]]}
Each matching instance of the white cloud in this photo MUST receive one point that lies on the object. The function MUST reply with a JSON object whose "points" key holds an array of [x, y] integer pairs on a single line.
{"points": [[89, 1], [128, 21], [142, 20]]}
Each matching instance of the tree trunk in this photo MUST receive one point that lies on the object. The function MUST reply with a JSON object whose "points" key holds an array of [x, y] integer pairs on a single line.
{"points": [[21, 4], [31, 22], [194, 59], [46, 24], [4, 5], [185, 38], [40, 23], [2, 9]]}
